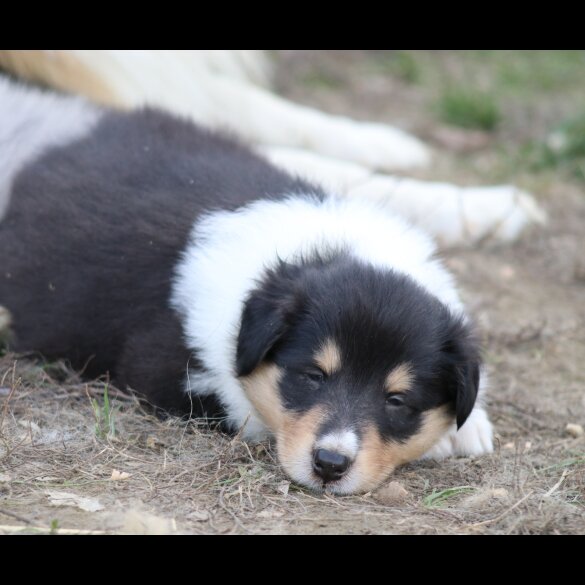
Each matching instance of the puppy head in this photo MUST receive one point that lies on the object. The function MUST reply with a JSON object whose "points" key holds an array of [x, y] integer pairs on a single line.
{"points": [[354, 369]]}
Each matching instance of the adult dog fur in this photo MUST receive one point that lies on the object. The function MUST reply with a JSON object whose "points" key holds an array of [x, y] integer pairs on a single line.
{"points": [[229, 89], [215, 284]]}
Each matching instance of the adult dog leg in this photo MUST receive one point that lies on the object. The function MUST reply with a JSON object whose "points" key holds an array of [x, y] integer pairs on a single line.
{"points": [[193, 84], [453, 215]]}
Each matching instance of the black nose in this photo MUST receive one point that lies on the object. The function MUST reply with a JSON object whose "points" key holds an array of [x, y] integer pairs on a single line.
{"points": [[329, 465]]}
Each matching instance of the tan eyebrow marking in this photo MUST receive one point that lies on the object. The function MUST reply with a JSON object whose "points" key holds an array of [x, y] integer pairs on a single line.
{"points": [[328, 358], [400, 378]]}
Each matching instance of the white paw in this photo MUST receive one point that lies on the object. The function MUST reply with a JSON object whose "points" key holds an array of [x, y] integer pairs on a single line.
{"points": [[456, 215], [474, 438], [375, 146], [499, 212]]}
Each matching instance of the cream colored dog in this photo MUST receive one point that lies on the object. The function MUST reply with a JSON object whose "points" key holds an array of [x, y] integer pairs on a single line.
{"points": [[230, 89]]}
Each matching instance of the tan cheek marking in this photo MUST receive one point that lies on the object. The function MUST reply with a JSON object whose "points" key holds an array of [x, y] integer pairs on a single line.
{"points": [[298, 434], [261, 388], [400, 378], [435, 424], [377, 458], [328, 358]]}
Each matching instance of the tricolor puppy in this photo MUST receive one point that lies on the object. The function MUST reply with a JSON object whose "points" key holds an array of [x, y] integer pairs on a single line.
{"points": [[216, 285]]}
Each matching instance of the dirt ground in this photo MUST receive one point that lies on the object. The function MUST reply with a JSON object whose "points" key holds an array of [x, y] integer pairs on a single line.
{"points": [[58, 473]]}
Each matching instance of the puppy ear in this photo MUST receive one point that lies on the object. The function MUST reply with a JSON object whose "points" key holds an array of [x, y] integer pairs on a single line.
{"points": [[268, 314], [461, 349]]}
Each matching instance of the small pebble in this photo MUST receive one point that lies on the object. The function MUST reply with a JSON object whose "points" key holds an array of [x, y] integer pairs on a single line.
{"points": [[485, 497], [391, 494], [507, 272], [199, 515], [119, 475], [574, 430]]}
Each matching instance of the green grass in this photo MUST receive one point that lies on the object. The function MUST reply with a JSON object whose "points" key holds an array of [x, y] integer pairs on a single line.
{"points": [[537, 70], [579, 460], [405, 65], [104, 417], [437, 498], [322, 80], [565, 148], [526, 96], [527, 73], [468, 108]]}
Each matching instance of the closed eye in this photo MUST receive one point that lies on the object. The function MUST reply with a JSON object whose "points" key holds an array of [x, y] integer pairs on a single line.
{"points": [[394, 399], [316, 375]]}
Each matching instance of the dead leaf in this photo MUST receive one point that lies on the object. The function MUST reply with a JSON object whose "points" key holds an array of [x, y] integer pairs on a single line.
{"points": [[141, 522], [283, 487], [5, 478], [69, 499], [119, 475], [153, 442], [33, 427], [198, 515], [272, 513]]}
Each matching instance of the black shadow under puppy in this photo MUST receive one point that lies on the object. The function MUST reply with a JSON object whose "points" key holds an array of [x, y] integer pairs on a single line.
{"points": [[216, 285]]}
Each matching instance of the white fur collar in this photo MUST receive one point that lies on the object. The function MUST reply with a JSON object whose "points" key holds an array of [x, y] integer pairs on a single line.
{"points": [[229, 251]]}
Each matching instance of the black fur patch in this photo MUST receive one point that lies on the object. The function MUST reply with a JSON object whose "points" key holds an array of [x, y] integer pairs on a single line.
{"points": [[92, 235]]}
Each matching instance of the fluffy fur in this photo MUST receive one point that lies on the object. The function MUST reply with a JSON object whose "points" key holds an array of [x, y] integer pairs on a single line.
{"points": [[214, 284]]}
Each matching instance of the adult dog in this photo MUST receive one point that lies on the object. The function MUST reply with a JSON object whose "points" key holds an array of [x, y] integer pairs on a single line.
{"points": [[229, 89]]}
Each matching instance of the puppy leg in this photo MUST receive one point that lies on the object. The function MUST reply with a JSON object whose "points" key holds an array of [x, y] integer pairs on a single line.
{"points": [[474, 438]]}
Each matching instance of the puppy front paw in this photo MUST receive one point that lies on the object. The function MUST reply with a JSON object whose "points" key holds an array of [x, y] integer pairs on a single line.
{"points": [[474, 438]]}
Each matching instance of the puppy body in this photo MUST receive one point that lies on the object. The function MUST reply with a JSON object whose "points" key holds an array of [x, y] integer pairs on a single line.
{"points": [[194, 272]]}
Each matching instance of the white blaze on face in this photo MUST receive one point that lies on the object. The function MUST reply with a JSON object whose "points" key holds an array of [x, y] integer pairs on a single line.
{"points": [[344, 442]]}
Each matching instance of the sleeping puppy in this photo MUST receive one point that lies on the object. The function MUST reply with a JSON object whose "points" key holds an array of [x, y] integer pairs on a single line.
{"points": [[216, 285]]}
